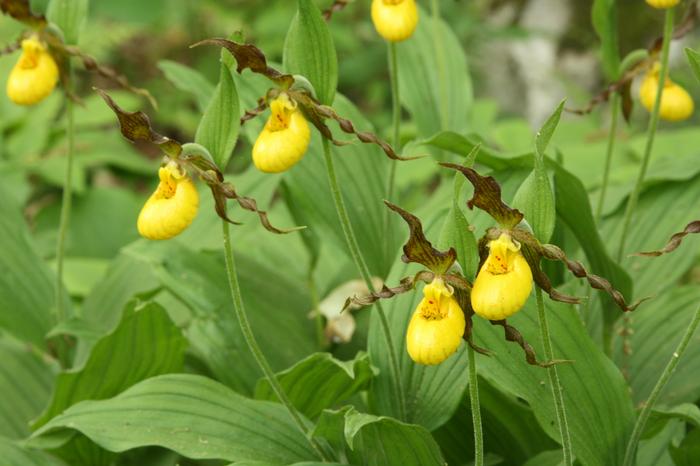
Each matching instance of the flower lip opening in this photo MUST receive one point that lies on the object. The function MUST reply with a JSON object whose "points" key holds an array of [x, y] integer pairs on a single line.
{"points": [[431, 308], [501, 254], [282, 108], [169, 176], [31, 50]]}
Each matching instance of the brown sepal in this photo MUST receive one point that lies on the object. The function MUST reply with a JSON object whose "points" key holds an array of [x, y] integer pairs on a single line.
{"points": [[336, 6], [487, 197], [512, 334], [464, 301], [675, 241], [419, 250], [136, 126], [318, 113], [221, 190], [251, 57], [21, 11], [11, 48], [406, 284]]}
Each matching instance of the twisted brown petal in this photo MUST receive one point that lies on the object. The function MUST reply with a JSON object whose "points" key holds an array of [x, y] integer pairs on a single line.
{"points": [[22, 12], [254, 112], [418, 249], [512, 334], [405, 284], [136, 126], [335, 7], [251, 57], [675, 241]]}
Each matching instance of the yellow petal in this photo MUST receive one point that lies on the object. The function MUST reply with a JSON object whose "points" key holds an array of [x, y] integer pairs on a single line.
{"points": [[437, 326], [395, 20], [676, 103], [34, 76], [662, 4], [171, 208], [284, 139], [504, 282]]}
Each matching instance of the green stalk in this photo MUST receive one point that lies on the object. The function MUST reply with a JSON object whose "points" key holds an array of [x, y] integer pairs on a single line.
{"points": [[354, 248], [631, 451], [554, 381], [395, 114], [252, 343], [66, 202], [476, 409], [441, 62], [316, 309], [614, 104], [651, 133]]}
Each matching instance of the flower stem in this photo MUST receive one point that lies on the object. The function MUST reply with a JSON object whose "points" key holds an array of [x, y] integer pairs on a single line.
{"points": [[66, 203], [634, 196], [395, 115], [441, 62], [630, 453], [476, 409], [614, 104], [651, 133], [554, 380], [252, 343], [354, 248]]}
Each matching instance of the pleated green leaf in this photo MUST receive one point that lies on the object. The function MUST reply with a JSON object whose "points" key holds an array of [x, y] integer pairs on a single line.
{"points": [[145, 333], [191, 415], [69, 15], [188, 80], [14, 455], [319, 382], [309, 51], [25, 383]]}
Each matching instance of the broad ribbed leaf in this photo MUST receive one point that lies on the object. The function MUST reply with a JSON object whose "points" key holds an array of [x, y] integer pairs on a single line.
{"points": [[598, 405], [319, 382], [604, 18], [188, 80], [381, 441], [69, 15], [307, 188], [309, 51], [146, 333], [192, 415], [27, 287], [25, 384], [15, 455], [218, 129], [434, 79]]}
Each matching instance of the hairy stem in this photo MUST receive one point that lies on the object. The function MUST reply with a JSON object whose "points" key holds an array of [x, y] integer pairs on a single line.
{"points": [[476, 409], [614, 104], [359, 260], [651, 133], [630, 453], [634, 196], [554, 380], [252, 343], [396, 125]]}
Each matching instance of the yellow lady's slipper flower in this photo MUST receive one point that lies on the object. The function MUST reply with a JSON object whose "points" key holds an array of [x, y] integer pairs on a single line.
{"points": [[437, 325], [284, 139], [504, 281], [171, 208], [395, 20], [676, 103], [34, 76], [663, 4]]}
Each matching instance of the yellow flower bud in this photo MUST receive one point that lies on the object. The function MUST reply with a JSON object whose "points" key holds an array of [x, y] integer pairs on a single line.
{"points": [[171, 208], [284, 139], [504, 281], [662, 4], [395, 20], [437, 325], [34, 76], [676, 103]]}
